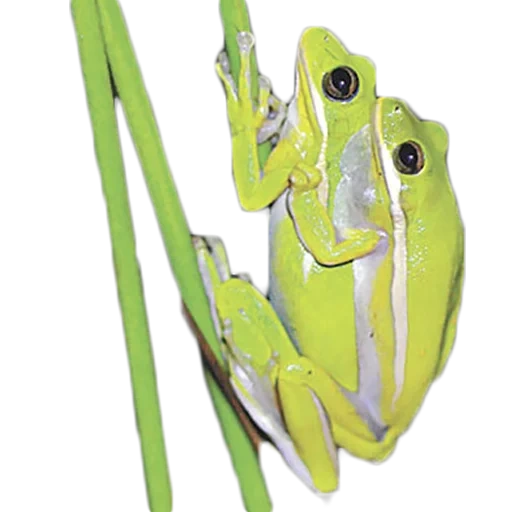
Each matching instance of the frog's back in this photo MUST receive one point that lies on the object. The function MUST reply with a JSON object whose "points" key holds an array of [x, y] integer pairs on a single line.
{"points": [[435, 265]]}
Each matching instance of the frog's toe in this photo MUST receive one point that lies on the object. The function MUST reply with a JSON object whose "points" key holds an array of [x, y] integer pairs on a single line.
{"points": [[222, 69], [273, 121], [209, 275], [244, 276], [223, 62], [219, 256], [245, 41], [277, 109], [263, 101], [264, 85]]}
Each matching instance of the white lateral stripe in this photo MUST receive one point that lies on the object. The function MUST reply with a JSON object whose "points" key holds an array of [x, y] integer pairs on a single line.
{"points": [[444, 52], [399, 282], [326, 430]]}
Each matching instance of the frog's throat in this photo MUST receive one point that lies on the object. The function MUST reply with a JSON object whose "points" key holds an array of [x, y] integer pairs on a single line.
{"points": [[314, 110], [399, 280]]}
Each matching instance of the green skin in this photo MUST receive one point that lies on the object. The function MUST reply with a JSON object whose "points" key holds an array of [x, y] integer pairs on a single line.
{"points": [[366, 265]]}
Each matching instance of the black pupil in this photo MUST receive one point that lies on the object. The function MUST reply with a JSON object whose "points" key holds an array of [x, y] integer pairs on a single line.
{"points": [[342, 80], [408, 155]]}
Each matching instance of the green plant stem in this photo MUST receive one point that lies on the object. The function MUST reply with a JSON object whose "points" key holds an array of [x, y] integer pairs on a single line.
{"points": [[176, 235], [146, 137], [235, 19], [129, 285]]}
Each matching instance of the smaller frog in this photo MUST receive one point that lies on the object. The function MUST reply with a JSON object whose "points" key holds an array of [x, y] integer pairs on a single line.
{"points": [[309, 136]]}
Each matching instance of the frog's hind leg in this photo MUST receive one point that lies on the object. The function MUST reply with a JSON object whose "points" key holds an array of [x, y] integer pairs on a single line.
{"points": [[214, 269], [259, 355], [263, 361]]}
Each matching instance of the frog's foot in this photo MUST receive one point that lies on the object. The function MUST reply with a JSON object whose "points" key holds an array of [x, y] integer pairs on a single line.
{"points": [[215, 248], [272, 113], [244, 277], [264, 120], [214, 269], [224, 73]]}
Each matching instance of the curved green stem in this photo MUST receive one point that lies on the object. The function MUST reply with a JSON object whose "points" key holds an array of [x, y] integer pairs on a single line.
{"points": [[235, 18], [129, 285], [176, 235]]}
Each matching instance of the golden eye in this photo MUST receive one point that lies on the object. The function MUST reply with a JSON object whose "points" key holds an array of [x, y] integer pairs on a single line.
{"points": [[341, 84], [409, 158]]}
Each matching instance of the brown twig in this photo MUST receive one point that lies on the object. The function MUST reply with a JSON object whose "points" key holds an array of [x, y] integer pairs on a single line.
{"points": [[223, 381]]}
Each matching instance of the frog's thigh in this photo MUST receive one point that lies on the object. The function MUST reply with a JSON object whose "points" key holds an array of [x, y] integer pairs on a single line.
{"points": [[253, 328]]}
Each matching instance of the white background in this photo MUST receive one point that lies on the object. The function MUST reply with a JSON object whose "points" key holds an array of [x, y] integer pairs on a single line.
{"points": [[63, 417]]}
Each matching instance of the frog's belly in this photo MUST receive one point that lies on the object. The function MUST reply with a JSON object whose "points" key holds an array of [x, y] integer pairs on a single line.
{"points": [[315, 304], [330, 315]]}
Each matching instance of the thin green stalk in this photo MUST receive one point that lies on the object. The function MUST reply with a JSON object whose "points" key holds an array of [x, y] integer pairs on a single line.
{"points": [[235, 19], [176, 235], [129, 285]]}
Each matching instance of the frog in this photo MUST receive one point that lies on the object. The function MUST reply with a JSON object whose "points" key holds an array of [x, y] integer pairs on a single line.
{"points": [[362, 307]]}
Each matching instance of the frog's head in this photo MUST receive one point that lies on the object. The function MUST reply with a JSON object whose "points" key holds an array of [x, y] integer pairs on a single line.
{"points": [[394, 173], [334, 98], [412, 157], [332, 85]]}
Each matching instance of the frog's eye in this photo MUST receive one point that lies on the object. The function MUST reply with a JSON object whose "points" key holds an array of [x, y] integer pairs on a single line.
{"points": [[409, 158], [341, 84]]}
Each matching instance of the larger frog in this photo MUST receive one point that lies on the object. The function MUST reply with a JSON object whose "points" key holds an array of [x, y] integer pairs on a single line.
{"points": [[366, 261]]}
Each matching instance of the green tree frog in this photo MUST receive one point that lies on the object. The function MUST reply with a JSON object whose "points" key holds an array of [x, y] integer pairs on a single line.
{"points": [[366, 261]]}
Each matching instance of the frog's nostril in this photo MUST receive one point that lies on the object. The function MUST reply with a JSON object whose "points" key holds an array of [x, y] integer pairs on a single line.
{"points": [[397, 108]]}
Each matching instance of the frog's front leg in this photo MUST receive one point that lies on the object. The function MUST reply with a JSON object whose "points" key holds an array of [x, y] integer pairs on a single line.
{"points": [[257, 187], [315, 228], [263, 371]]}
